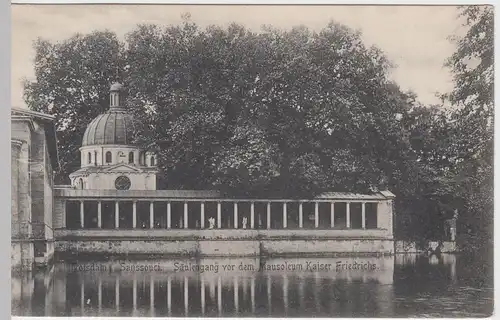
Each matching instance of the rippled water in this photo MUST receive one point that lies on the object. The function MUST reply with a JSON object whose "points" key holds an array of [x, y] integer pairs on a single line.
{"points": [[402, 285]]}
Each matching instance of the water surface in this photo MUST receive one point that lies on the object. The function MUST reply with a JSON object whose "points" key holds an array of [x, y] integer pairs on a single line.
{"points": [[398, 286]]}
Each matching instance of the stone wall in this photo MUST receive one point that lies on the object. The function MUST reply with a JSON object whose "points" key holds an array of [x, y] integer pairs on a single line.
{"points": [[225, 247], [106, 180], [279, 247], [385, 218], [22, 249], [14, 166], [32, 194], [218, 242], [222, 234]]}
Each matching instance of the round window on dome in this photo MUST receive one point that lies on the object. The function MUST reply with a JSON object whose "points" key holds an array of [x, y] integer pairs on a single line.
{"points": [[122, 183]]}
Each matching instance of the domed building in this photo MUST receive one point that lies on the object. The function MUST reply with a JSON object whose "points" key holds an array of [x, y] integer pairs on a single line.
{"points": [[109, 157]]}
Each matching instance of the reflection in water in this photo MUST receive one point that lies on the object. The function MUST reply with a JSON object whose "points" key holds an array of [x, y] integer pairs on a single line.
{"points": [[244, 287]]}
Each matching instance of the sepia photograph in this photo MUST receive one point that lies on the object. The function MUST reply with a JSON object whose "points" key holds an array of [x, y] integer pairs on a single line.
{"points": [[310, 161]]}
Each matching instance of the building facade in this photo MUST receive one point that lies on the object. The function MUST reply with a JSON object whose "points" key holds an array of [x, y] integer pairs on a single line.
{"points": [[33, 161]]}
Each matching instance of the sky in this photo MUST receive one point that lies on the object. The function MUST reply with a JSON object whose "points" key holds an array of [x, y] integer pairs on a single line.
{"points": [[414, 38]]}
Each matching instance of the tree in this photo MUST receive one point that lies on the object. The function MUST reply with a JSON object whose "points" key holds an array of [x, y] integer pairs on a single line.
{"points": [[472, 66], [72, 82], [277, 113], [282, 113]]}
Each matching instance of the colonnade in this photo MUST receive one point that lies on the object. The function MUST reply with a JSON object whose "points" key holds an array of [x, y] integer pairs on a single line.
{"points": [[238, 221]]}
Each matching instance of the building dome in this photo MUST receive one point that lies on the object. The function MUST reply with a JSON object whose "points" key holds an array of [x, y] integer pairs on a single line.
{"points": [[112, 127], [116, 126]]}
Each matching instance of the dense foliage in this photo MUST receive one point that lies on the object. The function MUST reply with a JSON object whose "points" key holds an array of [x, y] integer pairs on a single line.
{"points": [[275, 113], [472, 123]]}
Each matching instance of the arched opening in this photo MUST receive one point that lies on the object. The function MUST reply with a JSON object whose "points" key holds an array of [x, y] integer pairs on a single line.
{"points": [[108, 157], [131, 157], [89, 158], [152, 161], [80, 183]]}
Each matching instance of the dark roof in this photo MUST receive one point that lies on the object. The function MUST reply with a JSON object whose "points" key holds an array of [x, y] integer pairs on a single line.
{"points": [[113, 127], [64, 191], [50, 131]]}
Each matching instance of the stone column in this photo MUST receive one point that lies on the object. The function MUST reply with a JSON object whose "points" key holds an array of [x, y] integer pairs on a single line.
{"points": [[82, 215], [332, 214], [252, 215], [185, 215], [202, 215], [363, 215], [134, 214], [219, 215], [285, 217], [269, 215], [348, 215], [151, 215], [169, 215], [316, 214], [235, 206], [64, 203], [99, 214], [24, 190], [301, 216], [117, 214], [15, 150]]}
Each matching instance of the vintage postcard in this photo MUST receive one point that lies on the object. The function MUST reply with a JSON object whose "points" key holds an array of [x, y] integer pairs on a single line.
{"points": [[252, 161]]}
